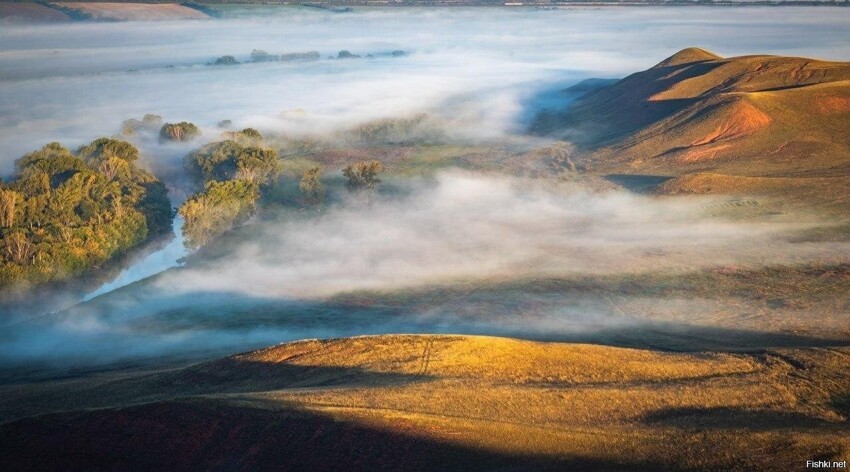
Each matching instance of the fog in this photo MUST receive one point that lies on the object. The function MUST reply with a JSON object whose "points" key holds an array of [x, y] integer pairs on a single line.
{"points": [[75, 82], [464, 226], [488, 234]]}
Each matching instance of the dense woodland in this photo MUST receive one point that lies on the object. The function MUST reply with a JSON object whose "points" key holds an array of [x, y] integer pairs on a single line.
{"points": [[65, 212]]}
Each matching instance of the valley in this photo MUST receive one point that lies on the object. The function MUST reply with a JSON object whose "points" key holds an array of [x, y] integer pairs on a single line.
{"points": [[410, 251]]}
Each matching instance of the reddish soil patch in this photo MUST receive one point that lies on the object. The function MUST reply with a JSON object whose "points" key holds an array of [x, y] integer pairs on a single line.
{"points": [[703, 153], [832, 105], [744, 119]]}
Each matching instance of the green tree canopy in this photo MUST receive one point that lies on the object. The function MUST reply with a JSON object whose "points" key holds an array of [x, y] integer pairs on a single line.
{"points": [[227, 160], [183, 131], [64, 213], [217, 209]]}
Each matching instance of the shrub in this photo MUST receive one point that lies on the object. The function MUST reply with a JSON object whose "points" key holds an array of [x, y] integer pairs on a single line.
{"points": [[363, 175]]}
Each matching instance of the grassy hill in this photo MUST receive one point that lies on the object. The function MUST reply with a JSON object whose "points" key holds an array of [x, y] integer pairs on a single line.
{"points": [[695, 111], [447, 403]]}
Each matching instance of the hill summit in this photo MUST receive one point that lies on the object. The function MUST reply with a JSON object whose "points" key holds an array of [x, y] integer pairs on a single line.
{"points": [[688, 56]]}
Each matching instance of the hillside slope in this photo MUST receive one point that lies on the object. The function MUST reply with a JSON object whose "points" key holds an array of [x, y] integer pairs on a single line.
{"points": [[763, 116], [444, 403]]}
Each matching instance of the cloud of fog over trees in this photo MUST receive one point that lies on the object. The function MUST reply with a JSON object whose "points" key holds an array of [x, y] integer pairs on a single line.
{"points": [[461, 229], [75, 82]]}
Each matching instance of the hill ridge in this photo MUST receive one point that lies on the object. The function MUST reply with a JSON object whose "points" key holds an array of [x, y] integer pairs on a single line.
{"points": [[699, 112]]}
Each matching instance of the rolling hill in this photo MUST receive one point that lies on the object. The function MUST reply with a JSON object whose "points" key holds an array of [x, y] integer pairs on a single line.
{"points": [[424, 402], [761, 116]]}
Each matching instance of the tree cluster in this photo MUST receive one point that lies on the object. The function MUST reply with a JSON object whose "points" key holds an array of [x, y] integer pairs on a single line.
{"points": [[231, 160], [259, 55], [217, 209], [226, 61], [181, 132], [233, 176], [64, 212]]}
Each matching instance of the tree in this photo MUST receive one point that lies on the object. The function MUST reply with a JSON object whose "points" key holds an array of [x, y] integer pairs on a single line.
{"points": [[17, 247], [149, 122], [8, 206], [112, 167], [246, 137], [262, 163], [346, 54], [215, 161], [183, 131], [258, 55], [218, 208], [226, 61], [53, 161], [363, 175], [228, 160], [104, 149], [252, 133], [311, 186]]}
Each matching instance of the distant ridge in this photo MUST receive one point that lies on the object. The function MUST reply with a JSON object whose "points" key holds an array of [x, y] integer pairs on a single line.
{"points": [[698, 112]]}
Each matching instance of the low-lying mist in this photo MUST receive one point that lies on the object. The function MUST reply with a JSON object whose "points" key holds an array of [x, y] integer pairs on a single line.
{"points": [[318, 275], [464, 226]]}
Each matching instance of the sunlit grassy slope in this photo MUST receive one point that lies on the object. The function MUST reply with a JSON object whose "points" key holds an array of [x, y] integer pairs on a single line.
{"points": [[698, 112], [450, 402]]}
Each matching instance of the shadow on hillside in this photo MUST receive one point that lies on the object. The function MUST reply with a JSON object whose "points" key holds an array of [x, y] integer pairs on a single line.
{"points": [[606, 112], [223, 376], [637, 182], [235, 375], [735, 418], [213, 435]]}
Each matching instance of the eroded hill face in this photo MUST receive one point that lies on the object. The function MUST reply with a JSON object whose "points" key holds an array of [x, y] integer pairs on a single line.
{"points": [[446, 403], [697, 112]]}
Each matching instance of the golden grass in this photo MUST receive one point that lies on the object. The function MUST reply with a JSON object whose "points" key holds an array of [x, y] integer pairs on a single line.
{"points": [[593, 402], [768, 410]]}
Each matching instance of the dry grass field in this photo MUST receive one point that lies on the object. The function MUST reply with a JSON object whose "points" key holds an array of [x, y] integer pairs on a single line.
{"points": [[447, 402], [135, 11]]}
